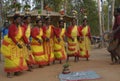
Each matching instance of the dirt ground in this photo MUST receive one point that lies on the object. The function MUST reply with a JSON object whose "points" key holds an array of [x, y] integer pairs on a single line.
{"points": [[99, 62]]}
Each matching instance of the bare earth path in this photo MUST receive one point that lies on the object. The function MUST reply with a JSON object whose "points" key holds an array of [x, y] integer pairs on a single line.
{"points": [[99, 62]]}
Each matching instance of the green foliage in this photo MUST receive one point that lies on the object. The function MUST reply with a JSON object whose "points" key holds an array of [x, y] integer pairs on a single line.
{"points": [[69, 7], [117, 3], [92, 14], [89, 5], [66, 65], [54, 4], [105, 10], [39, 11], [6, 8], [27, 6], [16, 5]]}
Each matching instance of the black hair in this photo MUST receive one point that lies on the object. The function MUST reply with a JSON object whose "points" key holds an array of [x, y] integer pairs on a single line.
{"points": [[118, 10], [74, 19], [61, 21], [6, 23], [26, 16], [85, 20], [16, 16], [39, 20]]}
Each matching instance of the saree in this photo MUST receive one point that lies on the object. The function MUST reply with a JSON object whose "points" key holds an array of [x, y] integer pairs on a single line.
{"points": [[59, 46], [14, 60]]}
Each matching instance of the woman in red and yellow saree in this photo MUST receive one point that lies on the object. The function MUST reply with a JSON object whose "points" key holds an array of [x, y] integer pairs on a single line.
{"points": [[72, 34], [37, 44], [12, 49], [84, 43], [59, 44], [48, 40], [26, 45]]}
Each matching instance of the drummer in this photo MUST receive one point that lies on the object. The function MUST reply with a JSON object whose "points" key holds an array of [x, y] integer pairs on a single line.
{"points": [[115, 42]]}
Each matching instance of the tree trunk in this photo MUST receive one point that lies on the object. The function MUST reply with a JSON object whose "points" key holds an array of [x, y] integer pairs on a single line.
{"points": [[0, 13], [113, 4], [100, 24]]}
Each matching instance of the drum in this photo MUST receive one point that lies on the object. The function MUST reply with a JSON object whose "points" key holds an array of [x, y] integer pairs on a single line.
{"points": [[113, 45], [106, 36], [118, 50]]}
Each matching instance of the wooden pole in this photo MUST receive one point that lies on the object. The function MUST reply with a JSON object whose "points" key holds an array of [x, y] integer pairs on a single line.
{"points": [[113, 5], [100, 24], [102, 14], [0, 13], [42, 5], [108, 29], [65, 6], [99, 13], [109, 15]]}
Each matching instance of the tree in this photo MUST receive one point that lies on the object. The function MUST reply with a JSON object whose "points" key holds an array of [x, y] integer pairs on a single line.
{"points": [[105, 13], [117, 3], [5, 9], [53, 4], [1, 13], [90, 9], [69, 5]]}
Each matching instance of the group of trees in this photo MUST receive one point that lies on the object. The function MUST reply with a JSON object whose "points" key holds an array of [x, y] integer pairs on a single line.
{"points": [[83, 7], [107, 12]]}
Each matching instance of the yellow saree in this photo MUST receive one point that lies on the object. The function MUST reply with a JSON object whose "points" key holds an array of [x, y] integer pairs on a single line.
{"points": [[59, 47], [48, 46], [72, 49], [37, 49], [28, 53], [84, 45], [14, 60]]}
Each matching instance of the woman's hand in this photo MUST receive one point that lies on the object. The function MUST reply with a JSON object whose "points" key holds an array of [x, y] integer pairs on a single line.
{"points": [[19, 45]]}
